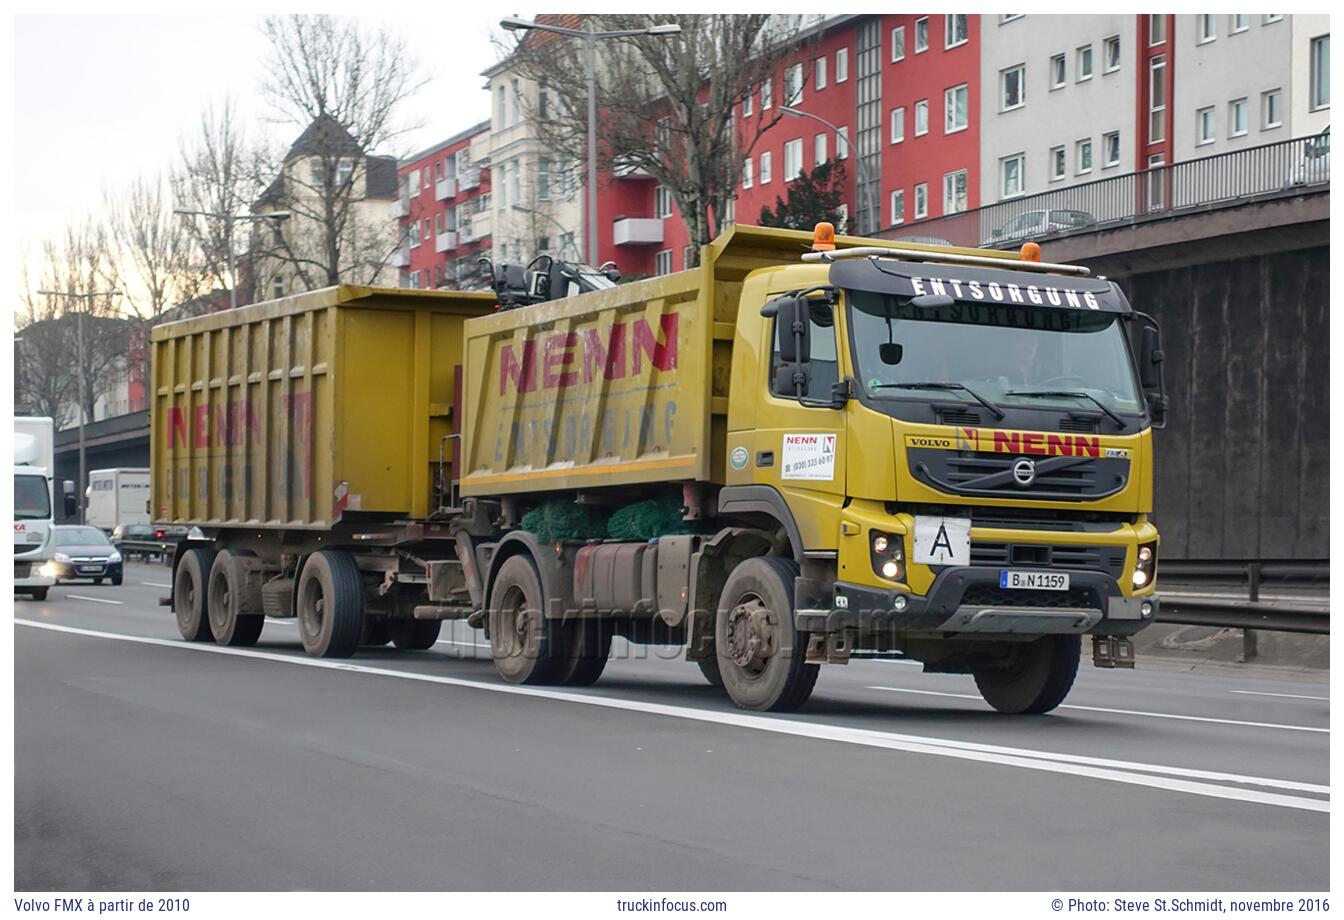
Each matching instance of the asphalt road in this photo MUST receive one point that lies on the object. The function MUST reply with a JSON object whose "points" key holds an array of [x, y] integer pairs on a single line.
{"points": [[142, 762]]}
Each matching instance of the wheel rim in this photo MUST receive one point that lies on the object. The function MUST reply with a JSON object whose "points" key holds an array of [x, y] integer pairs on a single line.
{"points": [[312, 610], [750, 635], [513, 627]]}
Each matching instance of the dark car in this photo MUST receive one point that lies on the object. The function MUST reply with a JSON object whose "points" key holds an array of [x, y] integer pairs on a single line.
{"points": [[84, 554], [140, 536]]}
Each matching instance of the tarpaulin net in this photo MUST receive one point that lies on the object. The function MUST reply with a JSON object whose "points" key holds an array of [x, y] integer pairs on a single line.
{"points": [[646, 520]]}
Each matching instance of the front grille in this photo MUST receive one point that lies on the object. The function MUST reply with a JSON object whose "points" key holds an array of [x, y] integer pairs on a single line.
{"points": [[1024, 518], [1076, 479], [993, 596], [1108, 559], [990, 474], [23, 570]]}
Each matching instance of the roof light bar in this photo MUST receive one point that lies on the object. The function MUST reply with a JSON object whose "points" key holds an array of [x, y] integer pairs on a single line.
{"points": [[952, 258]]}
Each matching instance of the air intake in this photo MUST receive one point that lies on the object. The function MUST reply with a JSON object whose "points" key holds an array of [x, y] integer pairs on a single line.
{"points": [[1081, 425], [958, 417]]}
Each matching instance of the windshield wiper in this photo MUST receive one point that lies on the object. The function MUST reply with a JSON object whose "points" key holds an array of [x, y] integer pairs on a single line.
{"points": [[1076, 394], [998, 413]]}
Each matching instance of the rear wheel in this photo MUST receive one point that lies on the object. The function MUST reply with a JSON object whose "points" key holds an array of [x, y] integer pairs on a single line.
{"points": [[330, 605], [760, 653], [1038, 678], [234, 607], [588, 646], [526, 646], [189, 594], [414, 635]]}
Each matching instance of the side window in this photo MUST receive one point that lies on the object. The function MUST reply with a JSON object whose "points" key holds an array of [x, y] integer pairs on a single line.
{"points": [[824, 368]]}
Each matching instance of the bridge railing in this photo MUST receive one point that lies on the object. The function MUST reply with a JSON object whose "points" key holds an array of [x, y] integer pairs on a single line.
{"points": [[1224, 179]]}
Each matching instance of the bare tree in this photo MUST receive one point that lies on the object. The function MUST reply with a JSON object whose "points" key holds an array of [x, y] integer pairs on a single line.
{"points": [[44, 370], [666, 101], [344, 84], [154, 248]]}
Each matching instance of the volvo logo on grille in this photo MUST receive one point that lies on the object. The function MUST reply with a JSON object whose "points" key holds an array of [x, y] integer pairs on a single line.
{"points": [[1024, 471]]}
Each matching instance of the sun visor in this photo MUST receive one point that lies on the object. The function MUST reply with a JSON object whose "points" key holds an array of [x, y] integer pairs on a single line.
{"points": [[978, 285]]}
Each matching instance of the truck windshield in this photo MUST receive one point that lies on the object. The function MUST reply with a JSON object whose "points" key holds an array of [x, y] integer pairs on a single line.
{"points": [[1006, 354], [32, 501]]}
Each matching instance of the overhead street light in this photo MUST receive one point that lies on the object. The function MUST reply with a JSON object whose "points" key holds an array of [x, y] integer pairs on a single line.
{"points": [[862, 174], [229, 221], [590, 39]]}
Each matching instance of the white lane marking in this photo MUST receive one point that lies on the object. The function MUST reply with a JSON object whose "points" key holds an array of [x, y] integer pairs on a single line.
{"points": [[914, 744], [459, 642], [155, 584], [96, 600], [1286, 696], [1128, 712]]}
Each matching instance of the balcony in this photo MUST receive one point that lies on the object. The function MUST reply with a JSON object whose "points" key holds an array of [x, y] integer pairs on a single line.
{"points": [[445, 241], [401, 258], [637, 231], [401, 207], [445, 188], [623, 168], [469, 178]]}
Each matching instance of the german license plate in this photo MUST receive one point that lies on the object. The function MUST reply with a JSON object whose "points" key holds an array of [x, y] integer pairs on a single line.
{"points": [[1034, 581], [90, 568]]}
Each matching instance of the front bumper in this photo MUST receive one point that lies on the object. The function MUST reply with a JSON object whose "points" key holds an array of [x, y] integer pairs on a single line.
{"points": [[967, 600], [74, 571], [28, 574]]}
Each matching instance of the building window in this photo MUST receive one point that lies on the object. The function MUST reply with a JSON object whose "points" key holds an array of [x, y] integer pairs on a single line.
{"points": [[662, 201], [1058, 164], [1084, 63], [767, 94], [818, 150], [415, 280], [921, 200], [954, 109], [793, 159], [1236, 118], [1208, 27], [1157, 99], [765, 168], [954, 192], [921, 35], [793, 84], [1110, 149], [1205, 127], [898, 124], [662, 262], [1011, 175], [1320, 72], [746, 105], [438, 223], [1271, 109], [1110, 54], [688, 257], [747, 165], [1012, 91], [414, 233], [1238, 22], [278, 287], [1272, 17], [842, 65], [820, 65], [898, 206], [501, 107], [1057, 78], [1157, 29], [842, 143], [1084, 156], [956, 31], [921, 117], [898, 44], [413, 180], [1009, 17], [544, 179]]}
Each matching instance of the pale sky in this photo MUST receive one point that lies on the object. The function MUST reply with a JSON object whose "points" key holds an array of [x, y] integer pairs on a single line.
{"points": [[99, 99]]}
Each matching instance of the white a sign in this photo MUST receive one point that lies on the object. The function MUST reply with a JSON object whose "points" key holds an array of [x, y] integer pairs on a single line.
{"points": [[808, 456], [942, 541]]}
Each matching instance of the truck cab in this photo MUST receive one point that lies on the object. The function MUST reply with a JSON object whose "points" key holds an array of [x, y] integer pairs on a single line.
{"points": [[34, 458]]}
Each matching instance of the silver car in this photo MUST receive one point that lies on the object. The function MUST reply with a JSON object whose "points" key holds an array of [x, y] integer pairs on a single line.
{"points": [[1032, 224]]}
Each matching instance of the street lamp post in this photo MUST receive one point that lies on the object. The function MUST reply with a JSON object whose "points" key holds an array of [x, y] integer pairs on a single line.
{"points": [[229, 221], [861, 171], [590, 39], [79, 377]]}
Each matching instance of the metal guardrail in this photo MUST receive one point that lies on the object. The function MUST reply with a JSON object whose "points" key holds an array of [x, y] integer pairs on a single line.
{"points": [[162, 548], [1280, 615], [1274, 617], [1221, 180]]}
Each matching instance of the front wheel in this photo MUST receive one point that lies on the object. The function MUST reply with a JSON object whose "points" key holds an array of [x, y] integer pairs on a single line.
{"points": [[1036, 680], [760, 653], [527, 647], [39, 594]]}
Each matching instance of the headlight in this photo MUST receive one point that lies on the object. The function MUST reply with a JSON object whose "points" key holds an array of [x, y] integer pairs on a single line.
{"points": [[48, 570], [1145, 569], [887, 553], [62, 557], [115, 557]]}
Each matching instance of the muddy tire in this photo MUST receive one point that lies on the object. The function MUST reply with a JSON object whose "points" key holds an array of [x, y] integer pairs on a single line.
{"points": [[190, 590], [330, 605], [233, 609], [1037, 680], [527, 647], [588, 646], [760, 654], [414, 635]]}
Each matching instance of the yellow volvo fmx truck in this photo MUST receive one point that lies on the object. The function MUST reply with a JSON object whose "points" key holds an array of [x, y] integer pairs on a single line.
{"points": [[806, 449]]}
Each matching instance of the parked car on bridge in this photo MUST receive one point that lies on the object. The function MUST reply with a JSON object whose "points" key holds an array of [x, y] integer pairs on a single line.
{"points": [[1314, 166], [84, 553], [1032, 224]]}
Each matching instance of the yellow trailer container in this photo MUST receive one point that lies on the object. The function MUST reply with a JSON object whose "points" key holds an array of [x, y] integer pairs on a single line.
{"points": [[292, 413]]}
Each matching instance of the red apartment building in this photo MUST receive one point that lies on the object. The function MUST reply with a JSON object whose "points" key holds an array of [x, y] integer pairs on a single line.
{"points": [[441, 193]]}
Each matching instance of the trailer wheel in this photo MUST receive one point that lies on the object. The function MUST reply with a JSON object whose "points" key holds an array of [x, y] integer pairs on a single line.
{"points": [[189, 594], [375, 631], [526, 646], [588, 646], [414, 635], [230, 605], [330, 605], [1037, 681], [760, 653]]}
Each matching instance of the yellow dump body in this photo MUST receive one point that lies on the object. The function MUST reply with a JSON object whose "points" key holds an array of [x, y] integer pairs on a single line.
{"points": [[625, 386], [294, 412]]}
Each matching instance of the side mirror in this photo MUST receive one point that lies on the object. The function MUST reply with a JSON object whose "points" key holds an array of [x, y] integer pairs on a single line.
{"points": [[795, 330], [612, 274], [891, 352], [1150, 372], [71, 501]]}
